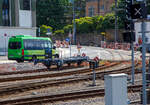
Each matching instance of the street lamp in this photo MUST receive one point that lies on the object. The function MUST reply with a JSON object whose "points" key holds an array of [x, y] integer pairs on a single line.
{"points": [[74, 24]]}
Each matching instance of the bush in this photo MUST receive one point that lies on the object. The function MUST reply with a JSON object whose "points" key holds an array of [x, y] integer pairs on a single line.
{"points": [[109, 21], [91, 24], [44, 28], [59, 32], [98, 23], [67, 28], [84, 25]]}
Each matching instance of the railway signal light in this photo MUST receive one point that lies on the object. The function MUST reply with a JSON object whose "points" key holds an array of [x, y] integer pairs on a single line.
{"points": [[140, 41], [129, 37], [94, 64], [128, 9], [129, 25], [138, 11]]}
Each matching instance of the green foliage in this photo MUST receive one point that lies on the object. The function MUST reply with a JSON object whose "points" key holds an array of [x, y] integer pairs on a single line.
{"points": [[44, 28], [108, 21], [59, 32], [148, 6], [84, 25], [67, 28], [92, 24], [52, 13], [97, 22], [121, 13]]}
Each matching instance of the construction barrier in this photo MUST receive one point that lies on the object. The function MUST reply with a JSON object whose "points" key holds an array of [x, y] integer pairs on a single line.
{"points": [[58, 43], [116, 45], [62, 44], [122, 46]]}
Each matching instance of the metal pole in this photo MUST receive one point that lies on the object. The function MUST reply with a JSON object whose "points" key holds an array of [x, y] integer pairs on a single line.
{"points": [[5, 45], [116, 21], [132, 63], [132, 44], [149, 66], [143, 63], [70, 47], [74, 24], [94, 77], [39, 31], [143, 28]]}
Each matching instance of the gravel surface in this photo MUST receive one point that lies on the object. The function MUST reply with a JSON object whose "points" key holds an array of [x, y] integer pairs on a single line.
{"points": [[73, 86], [87, 101], [62, 88]]}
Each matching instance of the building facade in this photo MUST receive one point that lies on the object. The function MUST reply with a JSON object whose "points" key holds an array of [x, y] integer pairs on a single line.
{"points": [[98, 7], [16, 17]]}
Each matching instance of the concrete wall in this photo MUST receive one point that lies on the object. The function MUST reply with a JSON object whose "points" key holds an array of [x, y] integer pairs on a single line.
{"points": [[12, 31]]}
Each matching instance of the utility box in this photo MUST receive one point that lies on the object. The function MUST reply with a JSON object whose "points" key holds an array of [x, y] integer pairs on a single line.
{"points": [[148, 96], [116, 89], [148, 77]]}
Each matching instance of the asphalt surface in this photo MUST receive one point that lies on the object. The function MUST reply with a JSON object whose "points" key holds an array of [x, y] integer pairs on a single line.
{"points": [[102, 53]]}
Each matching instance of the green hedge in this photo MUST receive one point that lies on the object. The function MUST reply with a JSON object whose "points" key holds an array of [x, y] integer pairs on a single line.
{"points": [[43, 30], [59, 32], [92, 24]]}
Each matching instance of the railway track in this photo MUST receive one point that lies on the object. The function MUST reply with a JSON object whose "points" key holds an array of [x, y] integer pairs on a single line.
{"points": [[53, 68], [50, 75], [67, 80], [50, 98]]}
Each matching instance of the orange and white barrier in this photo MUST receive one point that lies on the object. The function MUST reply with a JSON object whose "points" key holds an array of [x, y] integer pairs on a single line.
{"points": [[122, 46], [83, 54], [116, 45], [96, 59], [128, 46], [62, 44], [58, 43], [103, 44]]}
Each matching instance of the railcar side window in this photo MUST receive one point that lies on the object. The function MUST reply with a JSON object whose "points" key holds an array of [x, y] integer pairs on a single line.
{"points": [[36, 44]]}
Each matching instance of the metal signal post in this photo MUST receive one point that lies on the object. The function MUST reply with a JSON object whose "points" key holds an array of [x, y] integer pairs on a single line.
{"points": [[74, 23], [143, 64], [116, 27], [129, 26]]}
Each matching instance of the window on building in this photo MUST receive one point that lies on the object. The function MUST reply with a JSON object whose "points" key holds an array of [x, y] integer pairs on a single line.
{"points": [[25, 4], [5, 13], [91, 11]]}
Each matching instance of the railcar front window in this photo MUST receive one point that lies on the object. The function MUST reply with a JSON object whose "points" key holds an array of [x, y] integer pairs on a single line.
{"points": [[15, 45]]}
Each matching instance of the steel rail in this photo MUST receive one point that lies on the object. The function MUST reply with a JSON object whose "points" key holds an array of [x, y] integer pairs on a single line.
{"points": [[50, 75], [50, 98]]}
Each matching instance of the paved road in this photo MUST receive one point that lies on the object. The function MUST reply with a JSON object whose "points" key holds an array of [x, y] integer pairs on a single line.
{"points": [[105, 54]]}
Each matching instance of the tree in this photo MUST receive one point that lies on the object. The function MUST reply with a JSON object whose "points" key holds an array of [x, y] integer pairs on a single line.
{"points": [[108, 21], [52, 13], [148, 2]]}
